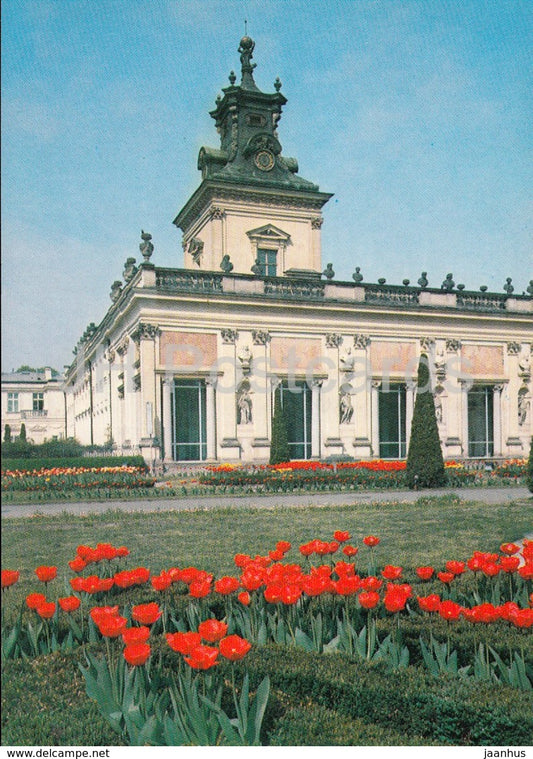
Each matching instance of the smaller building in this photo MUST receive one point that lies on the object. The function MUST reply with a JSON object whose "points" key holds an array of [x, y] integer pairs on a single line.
{"points": [[35, 399]]}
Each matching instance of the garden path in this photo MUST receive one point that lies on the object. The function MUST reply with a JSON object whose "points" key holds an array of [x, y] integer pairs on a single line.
{"points": [[271, 500]]}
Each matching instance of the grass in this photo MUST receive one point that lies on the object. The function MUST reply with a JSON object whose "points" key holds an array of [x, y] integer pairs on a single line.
{"points": [[44, 701]]}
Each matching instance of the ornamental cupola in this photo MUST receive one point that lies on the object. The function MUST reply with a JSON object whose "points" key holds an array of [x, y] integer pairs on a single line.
{"points": [[252, 213], [246, 120]]}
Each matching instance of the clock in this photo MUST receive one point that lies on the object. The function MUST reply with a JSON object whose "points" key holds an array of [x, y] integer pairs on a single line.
{"points": [[264, 160]]}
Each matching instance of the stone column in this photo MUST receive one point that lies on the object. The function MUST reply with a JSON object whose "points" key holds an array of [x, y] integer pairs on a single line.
{"points": [[362, 401], [315, 418], [465, 387], [497, 417], [217, 235], [374, 403], [168, 386], [226, 401], [410, 397], [316, 256], [210, 418]]}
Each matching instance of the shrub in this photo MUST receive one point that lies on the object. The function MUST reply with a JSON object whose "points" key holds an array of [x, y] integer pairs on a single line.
{"points": [[279, 446], [425, 465], [22, 434], [7, 433], [36, 464], [411, 702]]}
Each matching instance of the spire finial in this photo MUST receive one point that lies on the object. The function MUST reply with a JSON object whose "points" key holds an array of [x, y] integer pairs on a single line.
{"points": [[246, 49]]}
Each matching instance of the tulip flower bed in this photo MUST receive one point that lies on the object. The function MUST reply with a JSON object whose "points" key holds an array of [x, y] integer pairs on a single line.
{"points": [[187, 656], [64, 482], [379, 473]]}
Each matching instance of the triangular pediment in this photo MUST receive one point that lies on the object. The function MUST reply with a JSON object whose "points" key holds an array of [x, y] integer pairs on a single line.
{"points": [[268, 232]]}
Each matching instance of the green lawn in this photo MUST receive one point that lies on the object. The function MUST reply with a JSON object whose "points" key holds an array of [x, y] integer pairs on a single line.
{"points": [[431, 531]]}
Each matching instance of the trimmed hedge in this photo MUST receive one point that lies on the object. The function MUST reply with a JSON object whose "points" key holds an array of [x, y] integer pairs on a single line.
{"points": [[447, 710], [30, 464]]}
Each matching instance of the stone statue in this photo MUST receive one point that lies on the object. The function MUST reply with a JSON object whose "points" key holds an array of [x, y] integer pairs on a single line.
{"points": [[347, 361], [438, 407], [245, 357], [244, 406], [226, 264], [256, 268], [423, 281], [357, 276], [146, 247], [345, 407], [508, 286], [448, 283], [328, 272], [523, 408], [524, 363]]}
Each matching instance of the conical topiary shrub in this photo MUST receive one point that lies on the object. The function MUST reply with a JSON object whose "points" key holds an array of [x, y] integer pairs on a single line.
{"points": [[279, 446], [529, 477], [425, 465]]}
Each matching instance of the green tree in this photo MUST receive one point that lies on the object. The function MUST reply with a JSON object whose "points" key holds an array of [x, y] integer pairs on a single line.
{"points": [[7, 433], [529, 476], [279, 447], [425, 465], [22, 434]]}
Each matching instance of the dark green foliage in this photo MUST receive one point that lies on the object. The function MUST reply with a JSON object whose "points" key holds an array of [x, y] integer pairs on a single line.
{"points": [[425, 465], [446, 710], [279, 447], [74, 461], [529, 476], [22, 449], [7, 433], [22, 434]]}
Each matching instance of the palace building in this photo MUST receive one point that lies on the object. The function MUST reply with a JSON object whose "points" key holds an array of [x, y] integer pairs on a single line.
{"points": [[185, 363]]}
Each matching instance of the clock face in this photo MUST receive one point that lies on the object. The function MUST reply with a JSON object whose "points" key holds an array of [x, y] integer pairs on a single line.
{"points": [[264, 160]]}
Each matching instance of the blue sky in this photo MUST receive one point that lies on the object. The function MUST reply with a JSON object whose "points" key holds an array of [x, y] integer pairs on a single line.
{"points": [[415, 113]]}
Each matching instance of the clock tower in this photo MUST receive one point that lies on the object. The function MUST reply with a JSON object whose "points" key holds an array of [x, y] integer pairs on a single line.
{"points": [[252, 213]]}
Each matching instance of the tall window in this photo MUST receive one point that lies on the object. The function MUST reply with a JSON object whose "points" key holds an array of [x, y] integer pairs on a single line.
{"points": [[189, 414], [392, 427], [267, 262], [481, 421], [296, 402], [38, 401], [12, 402]]}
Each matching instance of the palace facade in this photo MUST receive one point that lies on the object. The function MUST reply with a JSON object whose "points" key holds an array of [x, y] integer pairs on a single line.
{"points": [[185, 363]]}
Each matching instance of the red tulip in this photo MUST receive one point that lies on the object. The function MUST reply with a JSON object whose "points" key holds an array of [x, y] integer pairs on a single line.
{"points": [[509, 563], [134, 635], [522, 618], [226, 585], [136, 654], [102, 612], [122, 551], [161, 582], [77, 564], [526, 571], [371, 583], [9, 577], [212, 630], [391, 573], [272, 594], [429, 603], [70, 603], [425, 573], [509, 548], [34, 600], [450, 610], [290, 593], [347, 585], [349, 550], [202, 657], [76, 583], [46, 574], [368, 599], [341, 535], [146, 614], [395, 598], [446, 577], [112, 626], [485, 613], [234, 648], [283, 546], [241, 560], [244, 598], [490, 568], [46, 610], [455, 567], [184, 642], [371, 540]]}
